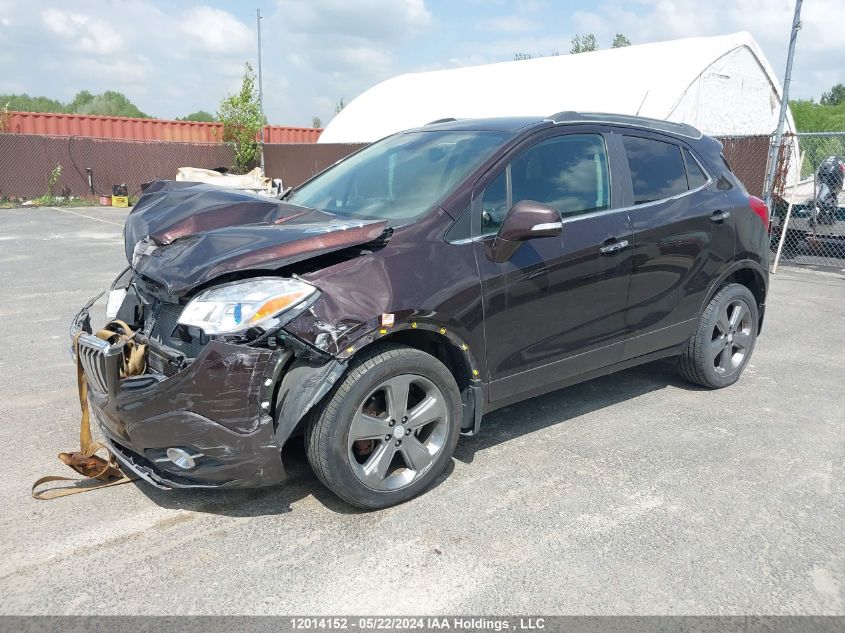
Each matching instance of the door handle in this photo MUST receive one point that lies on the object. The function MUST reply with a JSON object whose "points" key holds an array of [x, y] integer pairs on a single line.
{"points": [[613, 247], [720, 216]]}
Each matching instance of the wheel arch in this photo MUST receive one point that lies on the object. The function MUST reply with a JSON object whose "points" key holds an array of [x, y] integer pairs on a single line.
{"points": [[746, 273], [444, 349], [448, 348]]}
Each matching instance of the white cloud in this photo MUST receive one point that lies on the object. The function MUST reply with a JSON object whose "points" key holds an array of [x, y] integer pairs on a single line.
{"points": [[173, 58], [362, 19], [333, 49], [122, 73], [508, 24], [169, 61], [216, 31], [87, 34]]}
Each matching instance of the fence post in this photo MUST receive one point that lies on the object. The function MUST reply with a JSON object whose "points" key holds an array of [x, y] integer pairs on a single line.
{"points": [[774, 154], [788, 213], [260, 89]]}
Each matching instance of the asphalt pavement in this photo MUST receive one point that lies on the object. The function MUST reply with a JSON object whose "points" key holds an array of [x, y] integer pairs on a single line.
{"points": [[631, 494]]}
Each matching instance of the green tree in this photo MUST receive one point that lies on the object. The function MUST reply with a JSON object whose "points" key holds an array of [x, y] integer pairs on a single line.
{"points": [[620, 41], [834, 96], [200, 115], [810, 116], [108, 103], [316, 122], [25, 103], [520, 56], [242, 120], [340, 105], [111, 103], [584, 44], [82, 99]]}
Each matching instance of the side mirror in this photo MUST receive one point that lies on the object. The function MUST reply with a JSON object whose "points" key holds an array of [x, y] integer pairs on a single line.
{"points": [[526, 220]]}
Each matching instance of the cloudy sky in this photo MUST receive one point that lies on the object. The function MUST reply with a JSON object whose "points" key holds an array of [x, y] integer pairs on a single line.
{"points": [[172, 58]]}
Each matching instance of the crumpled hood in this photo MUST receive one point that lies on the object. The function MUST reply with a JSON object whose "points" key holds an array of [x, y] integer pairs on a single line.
{"points": [[183, 234]]}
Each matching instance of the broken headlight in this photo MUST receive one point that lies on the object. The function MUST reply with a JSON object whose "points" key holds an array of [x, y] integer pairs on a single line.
{"points": [[242, 305]]}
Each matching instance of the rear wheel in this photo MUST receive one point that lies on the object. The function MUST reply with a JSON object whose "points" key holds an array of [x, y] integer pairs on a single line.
{"points": [[723, 342], [387, 430]]}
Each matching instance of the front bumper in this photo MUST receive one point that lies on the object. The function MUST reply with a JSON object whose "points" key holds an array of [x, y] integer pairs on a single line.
{"points": [[216, 409]]}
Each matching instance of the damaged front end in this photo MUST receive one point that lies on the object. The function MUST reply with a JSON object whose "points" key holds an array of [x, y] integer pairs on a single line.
{"points": [[223, 406], [225, 385]]}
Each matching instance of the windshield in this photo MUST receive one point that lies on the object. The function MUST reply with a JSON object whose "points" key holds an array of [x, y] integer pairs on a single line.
{"points": [[399, 177]]}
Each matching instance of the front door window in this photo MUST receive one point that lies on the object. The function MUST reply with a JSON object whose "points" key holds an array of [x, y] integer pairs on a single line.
{"points": [[568, 173]]}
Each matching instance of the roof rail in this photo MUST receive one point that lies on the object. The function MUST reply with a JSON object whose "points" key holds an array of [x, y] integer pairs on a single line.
{"points": [[446, 120], [570, 116]]}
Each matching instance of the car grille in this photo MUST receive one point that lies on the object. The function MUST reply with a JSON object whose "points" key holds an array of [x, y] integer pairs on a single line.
{"points": [[92, 355]]}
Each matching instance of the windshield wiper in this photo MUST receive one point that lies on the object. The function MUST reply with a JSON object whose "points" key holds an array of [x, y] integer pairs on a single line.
{"points": [[285, 193]]}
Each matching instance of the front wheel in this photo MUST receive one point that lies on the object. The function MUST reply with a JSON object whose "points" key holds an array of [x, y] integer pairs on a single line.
{"points": [[723, 342], [387, 430]]}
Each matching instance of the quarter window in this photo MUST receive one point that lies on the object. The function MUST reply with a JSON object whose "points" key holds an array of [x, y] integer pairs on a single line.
{"points": [[695, 176], [657, 169]]}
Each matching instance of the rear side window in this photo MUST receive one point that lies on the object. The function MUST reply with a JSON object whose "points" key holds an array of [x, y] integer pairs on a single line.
{"points": [[657, 169], [695, 175]]}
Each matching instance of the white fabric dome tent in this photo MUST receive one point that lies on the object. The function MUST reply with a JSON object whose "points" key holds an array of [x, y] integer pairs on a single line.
{"points": [[722, 85]]}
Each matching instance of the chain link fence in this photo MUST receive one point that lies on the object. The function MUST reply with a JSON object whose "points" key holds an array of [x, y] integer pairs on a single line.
{"points": [[807, 228], [90, 166], [808, 214]]}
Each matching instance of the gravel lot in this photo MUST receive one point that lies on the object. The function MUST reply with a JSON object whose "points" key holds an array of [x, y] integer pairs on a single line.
{"points": [[631, 494]]}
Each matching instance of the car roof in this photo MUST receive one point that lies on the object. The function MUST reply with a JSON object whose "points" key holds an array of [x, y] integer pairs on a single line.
{"points": [[517, 124], [497, 124]]}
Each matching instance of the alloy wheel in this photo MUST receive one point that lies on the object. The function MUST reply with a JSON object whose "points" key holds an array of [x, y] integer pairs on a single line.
{"points": [[731, 337], [398, 432]]}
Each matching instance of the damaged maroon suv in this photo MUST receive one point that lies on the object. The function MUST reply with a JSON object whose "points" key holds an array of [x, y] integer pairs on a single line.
{"points": [[380, 309]]}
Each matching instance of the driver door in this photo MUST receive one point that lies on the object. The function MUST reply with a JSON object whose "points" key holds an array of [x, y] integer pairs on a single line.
{"points": [[557, 307]]}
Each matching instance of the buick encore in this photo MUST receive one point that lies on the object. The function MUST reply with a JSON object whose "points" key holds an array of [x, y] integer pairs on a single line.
{"points": [[380, 309]]}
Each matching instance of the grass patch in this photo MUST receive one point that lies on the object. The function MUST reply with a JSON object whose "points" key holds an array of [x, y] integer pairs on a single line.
{"points": [[48, 201]]}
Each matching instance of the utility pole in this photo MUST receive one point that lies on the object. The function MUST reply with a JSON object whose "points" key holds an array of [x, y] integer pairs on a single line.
{"points": [[784, 106], [260, 87]]}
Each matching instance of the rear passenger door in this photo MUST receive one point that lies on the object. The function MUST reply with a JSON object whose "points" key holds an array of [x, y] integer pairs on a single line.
{"points": [[681, 236]]}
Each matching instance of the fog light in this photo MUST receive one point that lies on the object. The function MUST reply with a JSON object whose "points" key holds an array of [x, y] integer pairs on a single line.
{"points": [[180, 458]]}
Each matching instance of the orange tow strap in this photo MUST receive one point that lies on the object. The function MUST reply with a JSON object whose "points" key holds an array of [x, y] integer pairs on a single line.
{"points": [[85, 461]]}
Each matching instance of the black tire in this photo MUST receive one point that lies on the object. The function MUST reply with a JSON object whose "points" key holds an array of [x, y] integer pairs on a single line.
{"points": [[702, 362], [334, 456]]}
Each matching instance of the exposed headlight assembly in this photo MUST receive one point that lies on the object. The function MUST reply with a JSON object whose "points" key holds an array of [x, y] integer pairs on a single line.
{"points": [[241, 305]]}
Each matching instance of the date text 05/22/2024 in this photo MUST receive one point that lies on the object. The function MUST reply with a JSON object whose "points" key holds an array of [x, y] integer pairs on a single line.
{"points": [[417, 623]]}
